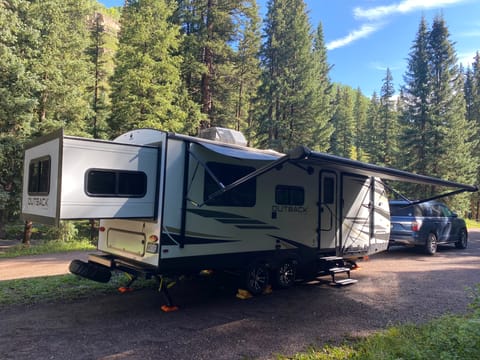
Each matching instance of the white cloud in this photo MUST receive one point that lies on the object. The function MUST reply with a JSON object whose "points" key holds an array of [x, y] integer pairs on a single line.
{"points": [[354, 35], [466, 58], [402, 7]]}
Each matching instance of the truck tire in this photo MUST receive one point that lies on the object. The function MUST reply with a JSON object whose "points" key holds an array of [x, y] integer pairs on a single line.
{"points": [[431, 244], [90, 271], [463, 240]]}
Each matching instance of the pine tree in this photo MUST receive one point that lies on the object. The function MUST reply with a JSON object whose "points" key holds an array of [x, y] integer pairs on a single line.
{"points": [[343, 138], [17, 101], [323, 94], [246, 71], [360, 115], [453, 135], [103, 34], [289, 98], [388, 122], [416, 93], [372, 136], [62, 64], [147, 90], [218, 36], [434, 122]]}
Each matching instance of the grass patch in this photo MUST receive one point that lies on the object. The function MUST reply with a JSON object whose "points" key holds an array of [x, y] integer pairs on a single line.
{"points": [[60, 288], [47, 247], [449, 337], [472, 224]]}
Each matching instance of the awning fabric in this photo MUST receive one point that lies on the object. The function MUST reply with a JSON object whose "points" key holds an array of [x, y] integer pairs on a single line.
{"points": [[305, 157]]}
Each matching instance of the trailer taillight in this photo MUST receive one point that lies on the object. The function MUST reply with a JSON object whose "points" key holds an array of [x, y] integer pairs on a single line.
{"points": [[101, 228], [416, 225], [153, 238]]}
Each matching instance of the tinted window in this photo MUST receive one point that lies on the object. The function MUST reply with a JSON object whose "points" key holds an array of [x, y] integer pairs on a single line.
{"points": [[403, 210], [289, 195], [242, 195], [39, 176], [115, 183]]}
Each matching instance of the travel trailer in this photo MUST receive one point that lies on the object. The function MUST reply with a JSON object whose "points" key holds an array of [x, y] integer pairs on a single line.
{"points": [[174, 204]]}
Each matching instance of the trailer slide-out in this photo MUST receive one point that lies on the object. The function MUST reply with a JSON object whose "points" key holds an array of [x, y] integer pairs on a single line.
{"points": [[173, 204]]}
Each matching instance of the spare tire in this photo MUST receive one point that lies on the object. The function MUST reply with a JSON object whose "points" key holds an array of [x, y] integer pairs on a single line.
{"points": [[90, 271]]}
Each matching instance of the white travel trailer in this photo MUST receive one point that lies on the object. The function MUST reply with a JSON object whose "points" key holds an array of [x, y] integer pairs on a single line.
{"points": [[172, 204]]}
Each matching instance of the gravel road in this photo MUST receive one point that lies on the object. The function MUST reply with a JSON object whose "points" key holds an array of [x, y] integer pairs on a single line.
{"points": [[402, 285]]}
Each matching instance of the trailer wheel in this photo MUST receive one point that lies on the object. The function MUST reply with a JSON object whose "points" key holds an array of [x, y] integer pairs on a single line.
{"points": [[431, 244], [90, 271], [257, 279], [285, 274]]}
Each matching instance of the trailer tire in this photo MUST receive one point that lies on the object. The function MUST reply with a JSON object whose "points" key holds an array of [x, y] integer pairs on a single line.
{"points": [[257, 278], [285, 274], [90, 271]]}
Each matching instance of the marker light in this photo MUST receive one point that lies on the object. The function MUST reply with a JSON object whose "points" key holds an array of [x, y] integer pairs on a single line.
{"points": [[153, 238]]}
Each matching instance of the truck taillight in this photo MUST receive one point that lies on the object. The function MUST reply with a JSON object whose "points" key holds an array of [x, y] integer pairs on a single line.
{"points": [[416, 225]]}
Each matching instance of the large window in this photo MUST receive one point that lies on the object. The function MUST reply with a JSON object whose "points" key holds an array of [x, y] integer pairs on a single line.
{"points": [[115, 183], [243, 195], [289, 195], [39, 176]]}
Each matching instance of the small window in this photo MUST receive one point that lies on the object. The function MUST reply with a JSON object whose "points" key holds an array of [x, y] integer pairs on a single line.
{"points": [[328, 190], [289, 195], [115, 183], [243, 195], [39, 176]]}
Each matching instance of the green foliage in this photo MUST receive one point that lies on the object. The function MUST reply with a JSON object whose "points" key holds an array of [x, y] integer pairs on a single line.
{"points": [[290, 99], [146, 87], [47, 247]]}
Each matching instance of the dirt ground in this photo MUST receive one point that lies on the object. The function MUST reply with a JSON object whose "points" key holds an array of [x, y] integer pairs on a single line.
{"points": [[400, 286]]}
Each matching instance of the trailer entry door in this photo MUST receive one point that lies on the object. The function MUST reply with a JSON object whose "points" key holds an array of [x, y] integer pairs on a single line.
{"points": [[76, 178]]}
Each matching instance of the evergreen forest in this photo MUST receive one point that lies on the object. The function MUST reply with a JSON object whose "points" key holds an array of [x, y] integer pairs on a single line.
{"points": [[184, 65]]}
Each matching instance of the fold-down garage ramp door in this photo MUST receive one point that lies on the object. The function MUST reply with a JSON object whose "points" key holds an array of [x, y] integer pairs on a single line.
{"points": [[76, 178]]}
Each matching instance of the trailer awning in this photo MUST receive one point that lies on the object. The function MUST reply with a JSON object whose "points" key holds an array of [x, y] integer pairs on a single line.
{"points": [[304, 156], [242, 153]]}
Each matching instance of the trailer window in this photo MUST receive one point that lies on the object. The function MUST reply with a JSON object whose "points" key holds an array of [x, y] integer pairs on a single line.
{"points": [[39, 176], [328, 190], [243, 195], [115, 183], [289, 195]]}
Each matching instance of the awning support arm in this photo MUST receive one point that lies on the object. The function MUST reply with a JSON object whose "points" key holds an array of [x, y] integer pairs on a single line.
{"points": [[451, 193], [296, 154]]}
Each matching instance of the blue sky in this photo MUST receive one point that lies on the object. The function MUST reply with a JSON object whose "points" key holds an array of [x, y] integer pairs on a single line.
{"points": [[364, 37]]}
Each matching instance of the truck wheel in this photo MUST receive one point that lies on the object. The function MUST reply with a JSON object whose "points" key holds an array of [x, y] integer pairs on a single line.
{"points": [[462, 242], [257, 279], [90, 271], [285, 275], [431, 245]]}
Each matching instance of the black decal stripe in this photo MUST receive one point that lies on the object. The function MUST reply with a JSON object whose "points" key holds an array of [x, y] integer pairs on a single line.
{"points": [[215, 214], [240, 221], [190, 240], [257, 227]]}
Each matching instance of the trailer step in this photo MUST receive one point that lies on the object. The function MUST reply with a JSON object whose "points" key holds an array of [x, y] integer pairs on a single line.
{"points": [[339, 270], [344, 282]]}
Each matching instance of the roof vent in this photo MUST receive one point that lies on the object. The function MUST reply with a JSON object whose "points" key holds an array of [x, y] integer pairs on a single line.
{"points": [[227, 136]]}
